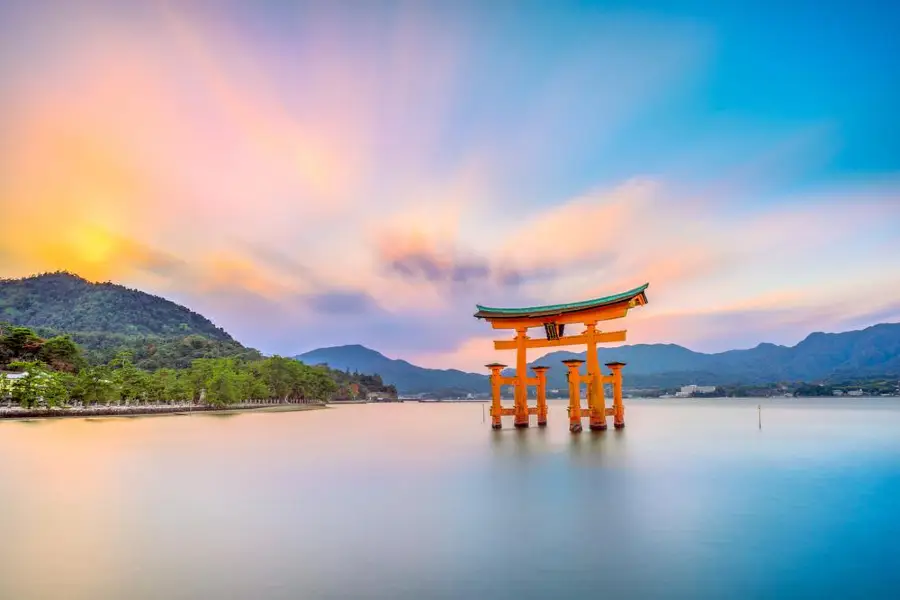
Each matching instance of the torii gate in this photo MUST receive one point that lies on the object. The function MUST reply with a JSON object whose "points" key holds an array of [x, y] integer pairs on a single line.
{"points": [[553, 319]]}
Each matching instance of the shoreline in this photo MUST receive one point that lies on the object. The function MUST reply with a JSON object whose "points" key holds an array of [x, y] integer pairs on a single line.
{"points": [[19, 414]]}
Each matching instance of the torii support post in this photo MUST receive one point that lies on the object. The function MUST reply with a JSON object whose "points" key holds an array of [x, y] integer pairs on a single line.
{"points": [[521, 417], [541, 374], [618, 405], [496, 382], [596, 397], [574, 394]]}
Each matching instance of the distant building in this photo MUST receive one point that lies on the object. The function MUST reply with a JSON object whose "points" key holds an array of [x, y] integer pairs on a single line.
{"points": [[689, 390], [6, 381], [855, 393], [838, 392]]}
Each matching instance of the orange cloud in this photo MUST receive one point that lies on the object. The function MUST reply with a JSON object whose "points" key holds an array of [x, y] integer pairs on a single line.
{"points": [[582, 228]]}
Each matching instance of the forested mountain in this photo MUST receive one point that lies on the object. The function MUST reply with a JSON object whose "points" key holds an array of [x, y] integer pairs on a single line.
{"points": [[874, 351], [153, 352], [406, 377], [105, 318], [65, 302], [136, 346]]}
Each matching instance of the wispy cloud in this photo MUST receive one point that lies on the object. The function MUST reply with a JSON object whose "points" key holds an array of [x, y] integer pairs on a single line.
{"points": [[342, 173]]}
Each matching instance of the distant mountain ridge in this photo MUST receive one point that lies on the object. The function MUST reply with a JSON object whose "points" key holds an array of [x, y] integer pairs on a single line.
{"points": [[821, 356], [408, 378], [106, 318]]}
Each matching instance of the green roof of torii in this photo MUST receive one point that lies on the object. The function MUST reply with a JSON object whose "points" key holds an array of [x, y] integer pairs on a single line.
{"points": [[557, 309]]}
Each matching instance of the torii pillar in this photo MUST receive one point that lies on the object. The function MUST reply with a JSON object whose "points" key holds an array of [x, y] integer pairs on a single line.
{"points": [[541, 375], [618, 405], [574, 378], [496, 383], [521, 390]]}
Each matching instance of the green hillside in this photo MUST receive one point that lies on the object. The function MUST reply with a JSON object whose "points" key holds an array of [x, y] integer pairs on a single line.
{"points": [[79, 335], [105, 319], [65, 302]]}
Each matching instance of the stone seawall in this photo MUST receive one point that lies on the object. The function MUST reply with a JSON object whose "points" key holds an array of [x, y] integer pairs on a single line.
{"points": [[17, 412]]}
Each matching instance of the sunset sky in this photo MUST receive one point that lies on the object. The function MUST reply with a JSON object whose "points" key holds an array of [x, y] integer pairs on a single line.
{"points": [[312, 174]]}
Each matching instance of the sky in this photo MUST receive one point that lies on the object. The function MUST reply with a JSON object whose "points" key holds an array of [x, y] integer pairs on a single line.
{"points": [[327, 173]]}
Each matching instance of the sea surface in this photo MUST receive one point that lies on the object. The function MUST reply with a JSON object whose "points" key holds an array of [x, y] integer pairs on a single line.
{"points": [[422, 500]]}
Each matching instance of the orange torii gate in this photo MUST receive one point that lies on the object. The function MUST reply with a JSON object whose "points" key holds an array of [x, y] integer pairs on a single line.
{"points": [[553, 319]]}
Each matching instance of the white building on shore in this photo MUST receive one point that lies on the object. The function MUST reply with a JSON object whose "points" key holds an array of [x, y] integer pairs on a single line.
{"points": [[689, 390]]}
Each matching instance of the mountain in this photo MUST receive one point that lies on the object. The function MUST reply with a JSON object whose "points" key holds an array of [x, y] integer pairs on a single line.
{"points": [[65, 302], [105, 318], [821, 356], [408, 378]]}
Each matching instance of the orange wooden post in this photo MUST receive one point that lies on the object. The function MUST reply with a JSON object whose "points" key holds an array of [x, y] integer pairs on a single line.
{"points": [[618, 405], [574, 394], [541, 373], [496, 407], [521, 418], [596, 399]]}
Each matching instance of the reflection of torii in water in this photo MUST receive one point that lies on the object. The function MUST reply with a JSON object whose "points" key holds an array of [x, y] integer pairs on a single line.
{"points": [[553, 320]]}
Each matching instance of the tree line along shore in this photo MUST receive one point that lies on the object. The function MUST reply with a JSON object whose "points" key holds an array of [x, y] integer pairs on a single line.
{"points": [[51, 375]]}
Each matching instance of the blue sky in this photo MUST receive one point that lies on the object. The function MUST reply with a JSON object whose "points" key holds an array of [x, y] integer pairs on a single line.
{"points": [[325, 173]]}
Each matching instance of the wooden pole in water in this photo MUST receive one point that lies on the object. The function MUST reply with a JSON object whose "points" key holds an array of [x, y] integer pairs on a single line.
{"points": [[496, 408], [596, 399], [541, 373], [618, 405], [521, 390], [574, 394]]}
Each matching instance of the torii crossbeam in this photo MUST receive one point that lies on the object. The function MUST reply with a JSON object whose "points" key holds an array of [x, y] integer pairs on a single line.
{"points": [[553, 320]]}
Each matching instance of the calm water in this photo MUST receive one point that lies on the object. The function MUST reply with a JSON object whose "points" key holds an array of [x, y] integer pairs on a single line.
{"points": [[418, 501]]}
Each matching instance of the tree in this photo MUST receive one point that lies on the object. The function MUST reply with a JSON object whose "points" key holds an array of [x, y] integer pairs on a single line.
{"points": [[37, 385], [222, 389], [61, 353], [251, 385], [278, 373], [19, 344], [95, 385], [169, 385], [319, 384], [131, 381], [55, 388]]}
